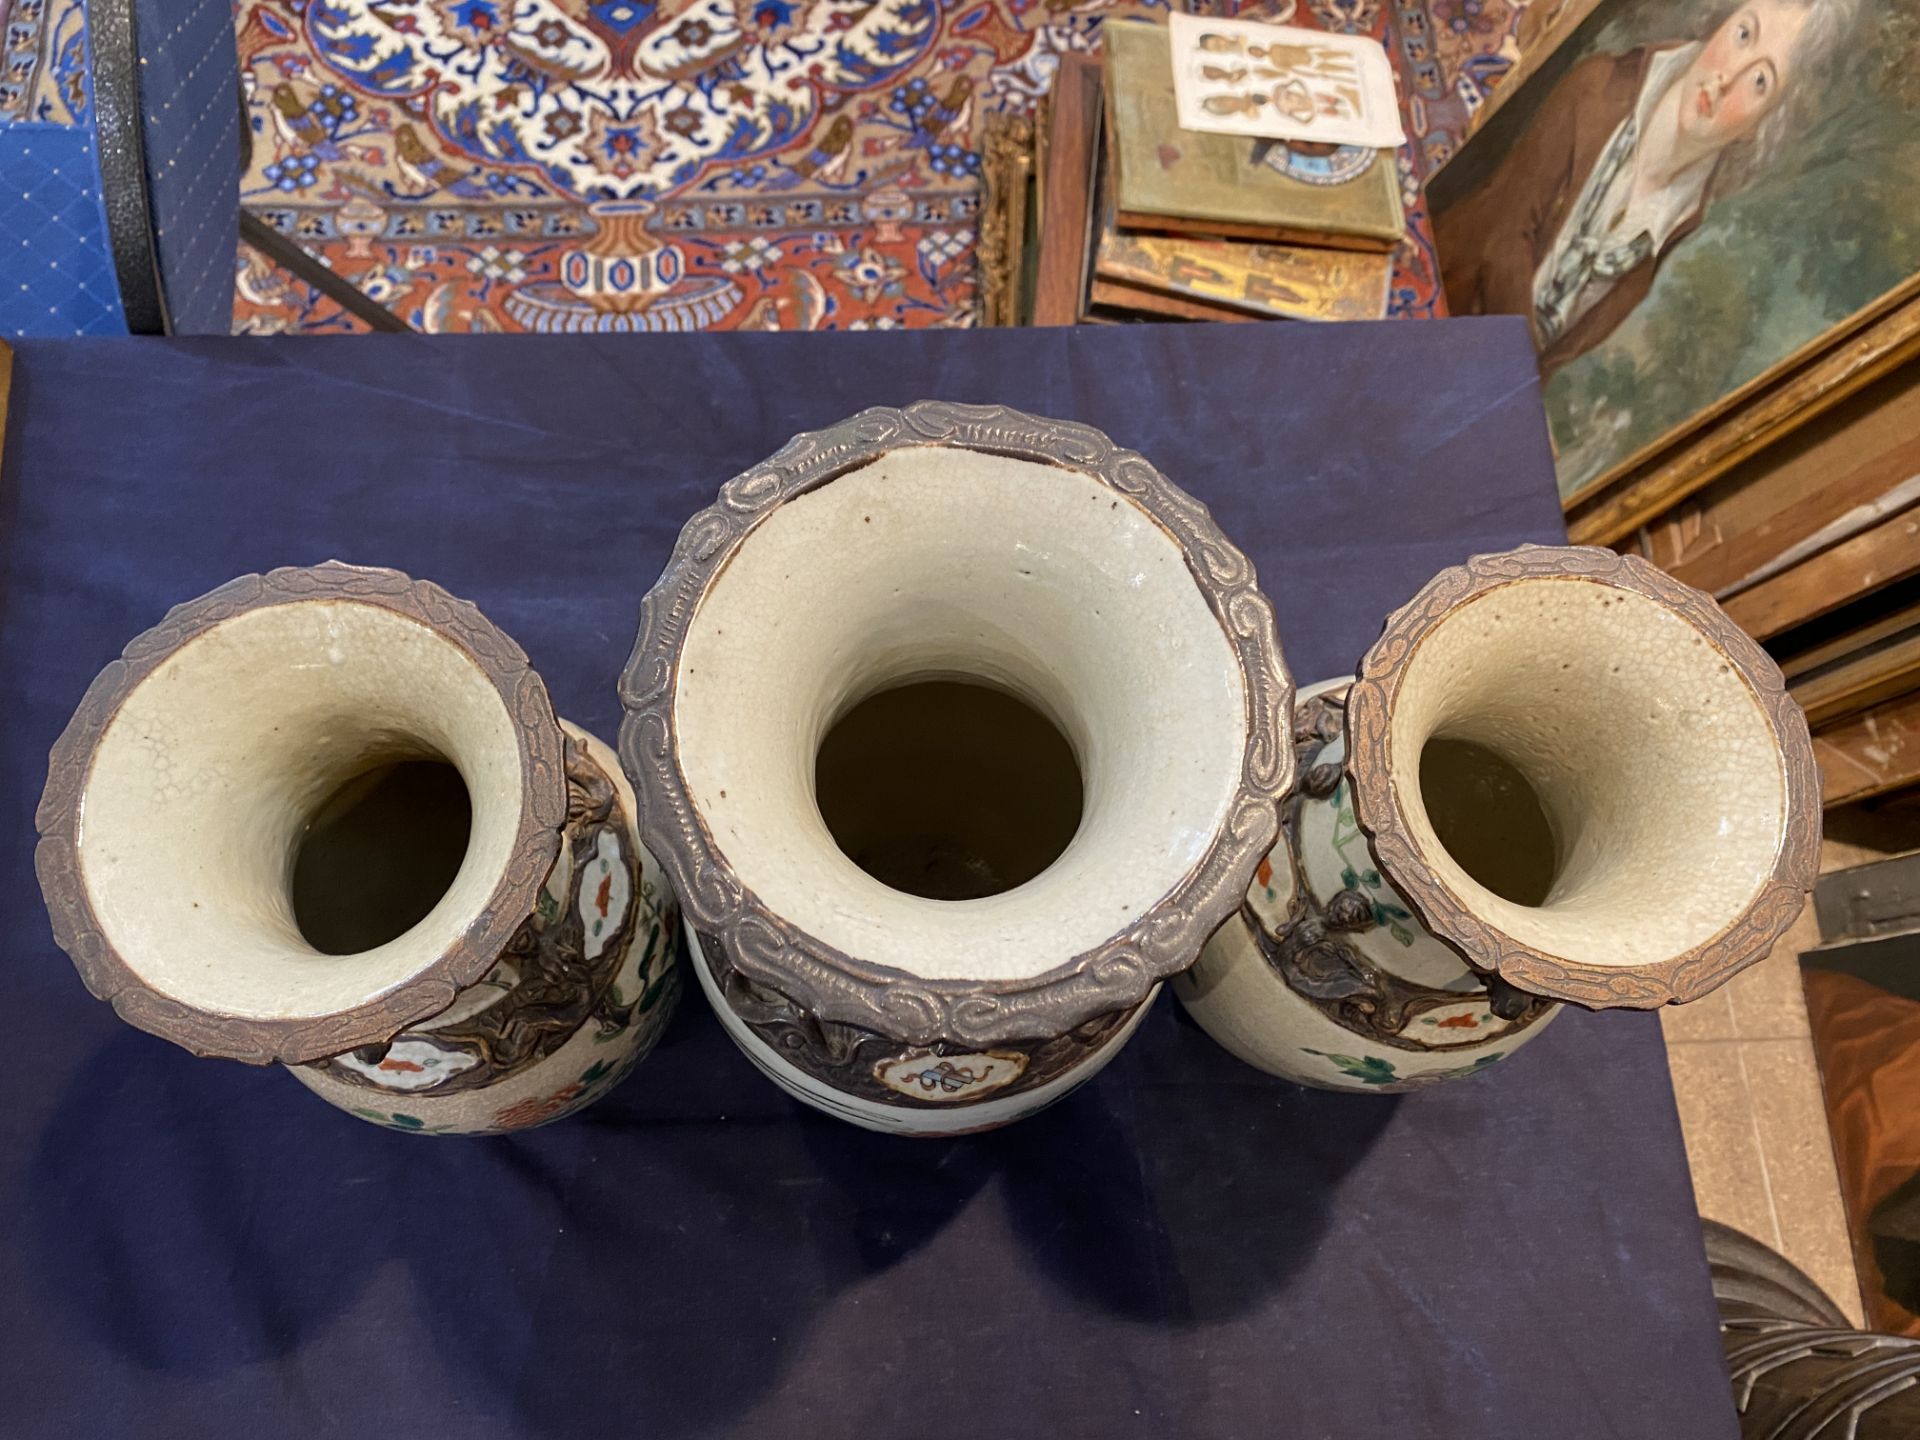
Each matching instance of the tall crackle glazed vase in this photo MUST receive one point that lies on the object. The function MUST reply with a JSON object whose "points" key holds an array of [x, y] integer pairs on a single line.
{"points": [[326, 817], [1561, 776], [957, 730]]}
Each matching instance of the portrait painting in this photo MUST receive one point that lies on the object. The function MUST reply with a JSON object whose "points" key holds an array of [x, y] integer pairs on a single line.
{"points": [[1686, 200]]}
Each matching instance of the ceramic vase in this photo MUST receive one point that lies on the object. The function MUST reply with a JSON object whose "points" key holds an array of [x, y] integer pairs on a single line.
{"points": [[326, 817], [957, 731], [1560, 777]]}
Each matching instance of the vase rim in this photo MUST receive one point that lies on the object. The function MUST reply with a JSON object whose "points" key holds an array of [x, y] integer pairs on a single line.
{"points": [[428, 989], [766, 947], [1380, 810]]}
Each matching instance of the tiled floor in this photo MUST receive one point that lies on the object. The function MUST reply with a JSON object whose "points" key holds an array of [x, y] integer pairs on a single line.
{"points": [[1749, 1097]]}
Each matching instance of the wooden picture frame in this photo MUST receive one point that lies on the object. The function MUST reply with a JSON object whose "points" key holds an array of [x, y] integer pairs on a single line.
{"points": [[1799, 389], [1070, 137]]}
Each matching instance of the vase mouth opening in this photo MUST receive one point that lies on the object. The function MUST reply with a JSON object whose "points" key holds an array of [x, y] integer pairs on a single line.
{"points": [[1585, 771], [301, 809], [948, 786], [960, 714], [380, 851]]}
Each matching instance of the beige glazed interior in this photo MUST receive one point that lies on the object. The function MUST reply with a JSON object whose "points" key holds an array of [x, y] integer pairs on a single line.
{"points": [[942, 564], [1657, 770], [206, 782]]}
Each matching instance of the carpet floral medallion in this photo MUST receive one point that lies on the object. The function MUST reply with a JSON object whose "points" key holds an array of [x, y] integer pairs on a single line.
{"points": [[775, 164]]}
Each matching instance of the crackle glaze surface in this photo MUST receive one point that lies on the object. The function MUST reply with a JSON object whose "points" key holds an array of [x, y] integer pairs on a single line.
{"points": [[1674, 770], [195, 776], [1326, 976], [196, 760], [953, 543], [1652, 756], [189, 797], [578, 999], [1670, 775], [942, 561]]}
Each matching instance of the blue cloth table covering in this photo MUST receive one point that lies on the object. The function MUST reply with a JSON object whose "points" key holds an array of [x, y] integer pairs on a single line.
{"points": [[1185, 1247]]}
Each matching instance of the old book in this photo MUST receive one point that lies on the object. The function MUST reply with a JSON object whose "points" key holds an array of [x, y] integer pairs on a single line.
{"points": [[1190, 182], [1231, 279], [1108, 295], [1283, 282]]}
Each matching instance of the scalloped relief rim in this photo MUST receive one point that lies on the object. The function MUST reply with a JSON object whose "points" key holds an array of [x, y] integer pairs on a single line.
{"points": [[841, 988], [294, 1040], [1677, 979]]}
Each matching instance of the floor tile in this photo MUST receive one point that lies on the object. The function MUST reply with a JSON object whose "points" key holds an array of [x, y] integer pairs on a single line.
{"points": [[1723, 1147], [1797, 1153], [1766, 1001], [1708, 1018]]}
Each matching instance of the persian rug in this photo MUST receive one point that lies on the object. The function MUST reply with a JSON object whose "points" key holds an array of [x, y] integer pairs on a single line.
{"points": [[806, 163], [1448, 56]]}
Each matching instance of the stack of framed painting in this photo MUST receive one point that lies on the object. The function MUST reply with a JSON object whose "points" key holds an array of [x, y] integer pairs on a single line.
{"points": [[1091, 268], [1148, 204], [1706, 213], [1814, 543]]}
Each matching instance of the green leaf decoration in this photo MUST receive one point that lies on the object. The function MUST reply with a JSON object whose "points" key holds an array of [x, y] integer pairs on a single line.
{"points": [[608, 1030], [408, 1122], [1460, 1072], [1371, 879], [1402, 934], [1348, 879], [653, 992], [595, 1071], [1368, 1069]]}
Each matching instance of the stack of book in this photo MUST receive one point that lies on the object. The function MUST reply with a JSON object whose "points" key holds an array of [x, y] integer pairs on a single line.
{"points": [[1138, 218]]}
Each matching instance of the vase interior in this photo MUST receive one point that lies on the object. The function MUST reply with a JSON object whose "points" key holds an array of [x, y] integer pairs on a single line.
{"points": [[379, 853], [1586, 771], [939, 566], [948, 790], [1489, 818], [250, 789]]}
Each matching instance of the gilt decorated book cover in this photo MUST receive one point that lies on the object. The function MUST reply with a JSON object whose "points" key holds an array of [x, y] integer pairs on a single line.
{"points": [[1188, 181], [1288, 282]]}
